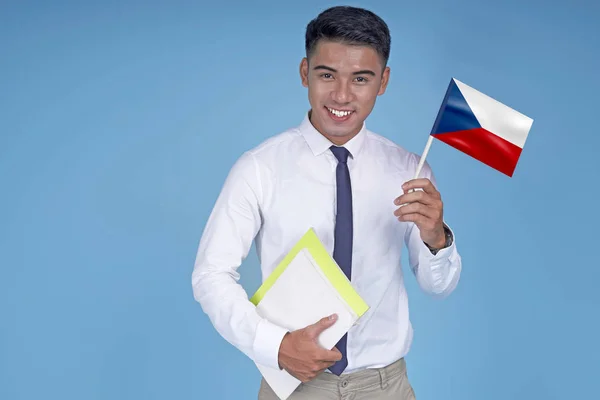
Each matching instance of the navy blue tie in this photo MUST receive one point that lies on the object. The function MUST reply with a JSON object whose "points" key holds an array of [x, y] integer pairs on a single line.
{"points": [[342, 250]]}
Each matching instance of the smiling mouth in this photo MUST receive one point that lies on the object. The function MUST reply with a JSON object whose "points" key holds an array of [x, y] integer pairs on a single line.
{"points": [[339, 113]]}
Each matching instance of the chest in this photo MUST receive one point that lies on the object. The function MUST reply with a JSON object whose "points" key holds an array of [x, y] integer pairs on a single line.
{"points": [[303, 195]]}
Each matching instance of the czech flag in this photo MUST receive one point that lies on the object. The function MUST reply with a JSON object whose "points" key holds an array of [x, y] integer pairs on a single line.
{"points": [[481, 127]]}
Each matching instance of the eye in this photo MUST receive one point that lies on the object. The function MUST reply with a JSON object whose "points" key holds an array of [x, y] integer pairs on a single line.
{"points": [[362, 79], [326, 75]]}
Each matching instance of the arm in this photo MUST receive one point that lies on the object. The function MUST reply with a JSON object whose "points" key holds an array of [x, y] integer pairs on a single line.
{"points": [[232, 226], [437, 271], [437, 274]]}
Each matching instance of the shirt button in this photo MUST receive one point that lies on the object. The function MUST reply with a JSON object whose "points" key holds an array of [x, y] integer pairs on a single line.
{"points": [[344, 384]]}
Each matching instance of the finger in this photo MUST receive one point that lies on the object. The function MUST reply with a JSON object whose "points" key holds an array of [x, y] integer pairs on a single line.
{"points": [[423, 223], [317, 372], [418, 208], [337, 355], [421, 183], [324, 323], [419, 196], [324, 364], [419, 219], [330, 356]]}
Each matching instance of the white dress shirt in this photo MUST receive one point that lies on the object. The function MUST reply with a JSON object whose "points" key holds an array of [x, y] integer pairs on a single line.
{"points": [[273, 194]]}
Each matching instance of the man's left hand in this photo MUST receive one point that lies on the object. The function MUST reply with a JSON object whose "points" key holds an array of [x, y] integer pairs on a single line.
{"points": [[425, 208]]}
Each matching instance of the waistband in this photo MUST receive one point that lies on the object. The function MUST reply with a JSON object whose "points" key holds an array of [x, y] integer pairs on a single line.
{"points": [[360, 379]]}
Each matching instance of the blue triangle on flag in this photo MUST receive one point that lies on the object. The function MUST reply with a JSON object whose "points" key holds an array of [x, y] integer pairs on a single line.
{"points": [[455, 113]]}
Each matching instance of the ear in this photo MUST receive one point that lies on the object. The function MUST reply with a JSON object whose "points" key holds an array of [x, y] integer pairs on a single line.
{"points": [[385, 78], [304, 72]]}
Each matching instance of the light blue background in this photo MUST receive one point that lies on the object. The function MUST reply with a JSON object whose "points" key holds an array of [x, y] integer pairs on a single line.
{"points": [[120, 120]]}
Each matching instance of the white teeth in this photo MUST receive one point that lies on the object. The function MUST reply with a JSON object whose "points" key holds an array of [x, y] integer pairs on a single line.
{"points": [[339, 113]]}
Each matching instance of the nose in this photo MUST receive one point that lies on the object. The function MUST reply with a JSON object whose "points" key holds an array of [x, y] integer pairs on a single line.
{"points": [[342, 93]]}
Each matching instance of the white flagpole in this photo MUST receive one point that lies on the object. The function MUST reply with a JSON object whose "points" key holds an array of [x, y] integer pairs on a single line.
{"points": [[422, 160]]}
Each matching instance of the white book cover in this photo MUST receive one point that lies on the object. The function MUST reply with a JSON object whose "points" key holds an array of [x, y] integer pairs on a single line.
{"points": [[306, 286]]}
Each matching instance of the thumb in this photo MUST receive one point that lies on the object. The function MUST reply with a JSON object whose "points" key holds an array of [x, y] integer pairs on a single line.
{"points": [[323, 324]]}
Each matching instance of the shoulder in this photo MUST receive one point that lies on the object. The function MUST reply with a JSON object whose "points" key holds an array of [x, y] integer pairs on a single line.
{"points": [[397, 156], [266, 153], [383, 144], [275, 143]]}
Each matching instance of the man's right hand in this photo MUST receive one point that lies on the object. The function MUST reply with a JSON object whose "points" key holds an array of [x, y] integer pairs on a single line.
{"points": [[301, 355]]}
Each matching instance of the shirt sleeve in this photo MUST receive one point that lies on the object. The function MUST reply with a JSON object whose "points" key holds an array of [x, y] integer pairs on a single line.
{"points": [[436, 274], [227, 238]]}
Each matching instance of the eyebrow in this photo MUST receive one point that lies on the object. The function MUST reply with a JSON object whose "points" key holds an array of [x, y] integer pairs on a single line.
{"points": [[362, 72]]}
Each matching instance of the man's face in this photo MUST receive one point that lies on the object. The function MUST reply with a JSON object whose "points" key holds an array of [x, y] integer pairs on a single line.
{"points": [[343, 83]]}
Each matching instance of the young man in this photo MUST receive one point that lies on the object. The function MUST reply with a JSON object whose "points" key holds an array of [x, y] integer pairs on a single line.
{"points": [[354, 188]]}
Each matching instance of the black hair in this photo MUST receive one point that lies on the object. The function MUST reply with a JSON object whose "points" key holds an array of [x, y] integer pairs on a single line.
{"points": [[349, 25]]}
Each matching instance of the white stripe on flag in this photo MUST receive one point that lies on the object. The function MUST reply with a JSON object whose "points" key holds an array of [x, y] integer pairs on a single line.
{"points": [[496, 117]]}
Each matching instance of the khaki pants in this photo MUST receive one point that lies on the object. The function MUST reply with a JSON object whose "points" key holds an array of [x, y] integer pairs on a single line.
{"points": [[390, 382]]}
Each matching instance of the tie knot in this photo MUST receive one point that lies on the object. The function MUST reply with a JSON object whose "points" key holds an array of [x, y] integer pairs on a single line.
{"points": [[341, 153]]}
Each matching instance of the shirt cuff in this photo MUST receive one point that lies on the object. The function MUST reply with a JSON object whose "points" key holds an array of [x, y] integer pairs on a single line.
{"points": [[443, 253], [267, 342]]}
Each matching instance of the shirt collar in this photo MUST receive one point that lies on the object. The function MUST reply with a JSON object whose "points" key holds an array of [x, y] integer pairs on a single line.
{"points": [[320, 144]]}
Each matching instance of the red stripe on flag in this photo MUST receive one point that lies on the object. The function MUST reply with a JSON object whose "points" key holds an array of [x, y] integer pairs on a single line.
{"points": [[484, 146]]}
